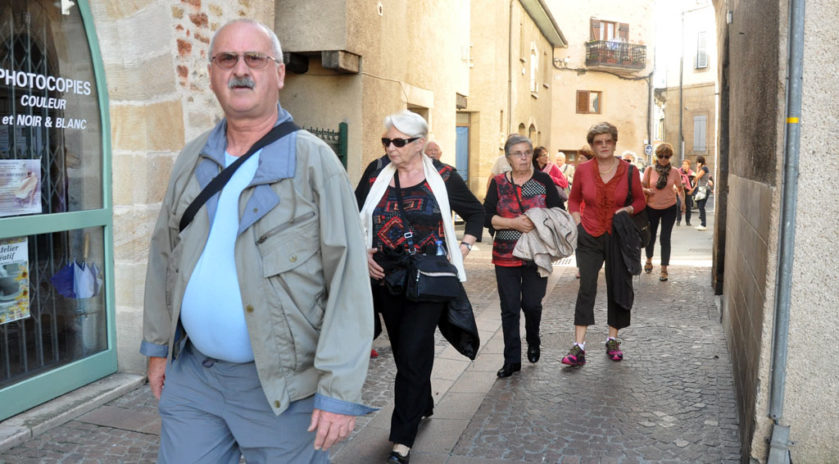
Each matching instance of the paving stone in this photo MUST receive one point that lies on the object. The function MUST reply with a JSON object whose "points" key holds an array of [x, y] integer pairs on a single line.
{"points": [[671, 400]]}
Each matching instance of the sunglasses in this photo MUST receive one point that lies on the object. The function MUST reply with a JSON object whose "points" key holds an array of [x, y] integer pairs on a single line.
{"points": [[663, 156], [253, 60], [398, 143]]}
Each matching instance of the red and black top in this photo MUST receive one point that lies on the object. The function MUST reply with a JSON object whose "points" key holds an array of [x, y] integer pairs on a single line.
{"points": [[508, 200], [602, 199]]}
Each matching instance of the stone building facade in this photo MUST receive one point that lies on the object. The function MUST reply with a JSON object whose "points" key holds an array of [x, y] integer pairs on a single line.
{"points": [[604, 74], [692, 23]]}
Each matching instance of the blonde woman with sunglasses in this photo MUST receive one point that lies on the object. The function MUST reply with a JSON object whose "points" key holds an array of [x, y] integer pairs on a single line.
{"points": [[662, 183]]}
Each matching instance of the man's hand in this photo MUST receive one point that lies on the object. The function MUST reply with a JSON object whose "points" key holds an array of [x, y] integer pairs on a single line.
{"points": [[331, 428], [157, 375], [373, 268]]}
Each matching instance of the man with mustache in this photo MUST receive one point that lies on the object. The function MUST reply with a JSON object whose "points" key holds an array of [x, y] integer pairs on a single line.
{"points": [[258, 312]]}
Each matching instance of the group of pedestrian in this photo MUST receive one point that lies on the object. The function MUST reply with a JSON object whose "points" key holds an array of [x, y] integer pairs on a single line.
{"points": [[266, 275]]}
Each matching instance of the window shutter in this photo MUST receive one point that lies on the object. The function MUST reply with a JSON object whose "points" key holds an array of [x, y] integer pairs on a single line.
{"points": [[582, 101], [595, 29], [623, 31], [700, 124]]}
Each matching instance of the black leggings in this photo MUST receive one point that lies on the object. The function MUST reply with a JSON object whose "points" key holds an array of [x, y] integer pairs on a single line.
{"points": [[667, 217]]}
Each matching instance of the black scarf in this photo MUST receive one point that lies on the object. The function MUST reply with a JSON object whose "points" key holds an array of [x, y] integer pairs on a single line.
{"points": [[663, 174]]}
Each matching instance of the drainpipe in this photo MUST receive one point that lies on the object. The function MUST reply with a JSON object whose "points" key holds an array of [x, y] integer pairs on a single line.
{"points": [[779, 446], [510, 73], [681, 85]]}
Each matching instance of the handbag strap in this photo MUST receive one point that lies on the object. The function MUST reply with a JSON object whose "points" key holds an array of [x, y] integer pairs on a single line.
{"points": [[221, 179], [516, 192], [629, 186], [409, 234]]}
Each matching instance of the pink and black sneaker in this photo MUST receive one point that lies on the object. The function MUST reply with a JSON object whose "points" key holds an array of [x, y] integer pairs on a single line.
{"points": [[613, 349], [575, 357]]}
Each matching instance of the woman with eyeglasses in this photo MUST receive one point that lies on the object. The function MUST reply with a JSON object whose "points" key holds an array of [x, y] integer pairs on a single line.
{"points": [[407, 200], [602, 184], [520, 287], [662, 185]]}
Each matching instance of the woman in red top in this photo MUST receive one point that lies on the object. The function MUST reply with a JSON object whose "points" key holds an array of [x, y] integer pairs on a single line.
{"points": [[601, 184]]}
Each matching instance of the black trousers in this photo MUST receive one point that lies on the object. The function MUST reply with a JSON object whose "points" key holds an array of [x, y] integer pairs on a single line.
{"points": [[520, 289], [591, 253], [701, 205], [688, 207], [410, 326], [666, 217]]}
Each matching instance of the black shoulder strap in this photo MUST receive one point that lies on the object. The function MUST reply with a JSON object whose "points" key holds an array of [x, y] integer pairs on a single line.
{"points": [[629, 185], [219, 181]]}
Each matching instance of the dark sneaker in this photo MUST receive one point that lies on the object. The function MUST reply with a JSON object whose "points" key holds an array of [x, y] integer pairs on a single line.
{"points": [[613, 350], [575, 357]]}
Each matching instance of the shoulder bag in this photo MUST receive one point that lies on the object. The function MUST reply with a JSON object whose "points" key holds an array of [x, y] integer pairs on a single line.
{"points": [[430, 277], [642, 222], [220, 180]]}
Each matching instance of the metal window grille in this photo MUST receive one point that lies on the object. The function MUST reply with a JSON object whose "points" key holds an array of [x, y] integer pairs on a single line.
{"points": [[337, 140], [32, 345]]}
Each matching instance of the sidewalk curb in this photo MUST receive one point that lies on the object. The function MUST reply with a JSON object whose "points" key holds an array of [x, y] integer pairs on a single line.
{"points": [[27, 425]]}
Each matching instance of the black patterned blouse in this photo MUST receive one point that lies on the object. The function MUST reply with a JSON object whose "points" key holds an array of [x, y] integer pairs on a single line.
{"points": [[420, 207]]}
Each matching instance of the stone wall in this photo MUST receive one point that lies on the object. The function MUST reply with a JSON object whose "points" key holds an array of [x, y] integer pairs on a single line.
{"points": [[155, 58]]}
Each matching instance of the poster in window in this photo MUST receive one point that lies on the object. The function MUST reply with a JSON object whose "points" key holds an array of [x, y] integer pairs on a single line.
{"points": [[14, 279], [20, 187]]}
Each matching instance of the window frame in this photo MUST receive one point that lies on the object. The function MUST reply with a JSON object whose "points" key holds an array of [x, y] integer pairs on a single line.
{"points": [[589, 103], [702, 59], [54, 382]]}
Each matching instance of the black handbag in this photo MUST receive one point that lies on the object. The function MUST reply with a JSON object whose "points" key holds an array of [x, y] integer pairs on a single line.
{"points": [[430, 277], [642, 222]]}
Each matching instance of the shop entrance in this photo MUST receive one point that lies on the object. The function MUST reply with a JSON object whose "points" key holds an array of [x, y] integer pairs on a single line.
{"points": [[56, 330]]}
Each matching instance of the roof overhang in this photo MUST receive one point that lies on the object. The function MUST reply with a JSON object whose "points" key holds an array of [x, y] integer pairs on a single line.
{"points": [[541, 15]]}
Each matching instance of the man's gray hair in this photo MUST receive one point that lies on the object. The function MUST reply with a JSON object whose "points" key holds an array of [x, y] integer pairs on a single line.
{"points": [[516, 139], [275, 41], [407, 122]]}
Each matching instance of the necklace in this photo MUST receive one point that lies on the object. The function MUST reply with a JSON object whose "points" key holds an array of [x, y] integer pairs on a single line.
{"points": [[602, 171]]}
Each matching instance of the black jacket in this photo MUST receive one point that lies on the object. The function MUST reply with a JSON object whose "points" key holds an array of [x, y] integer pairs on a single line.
{"points": [[624, 259], [457, 324]]}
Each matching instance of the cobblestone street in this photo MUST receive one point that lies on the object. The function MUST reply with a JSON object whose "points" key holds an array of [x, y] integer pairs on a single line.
{"points": [[671, 400]]}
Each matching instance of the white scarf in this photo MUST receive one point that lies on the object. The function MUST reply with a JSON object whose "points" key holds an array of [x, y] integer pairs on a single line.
{"points": [[438, 189]]}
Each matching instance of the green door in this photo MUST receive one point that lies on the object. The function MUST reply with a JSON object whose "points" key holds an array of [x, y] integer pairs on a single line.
{"points": [[56, 251]]}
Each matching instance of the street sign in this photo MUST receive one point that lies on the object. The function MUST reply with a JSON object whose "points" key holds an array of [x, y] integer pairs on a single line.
{"points": [[648, 149]]}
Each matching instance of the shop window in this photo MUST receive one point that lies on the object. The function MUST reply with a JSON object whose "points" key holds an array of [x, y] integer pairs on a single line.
{"points": [[55, 217]]}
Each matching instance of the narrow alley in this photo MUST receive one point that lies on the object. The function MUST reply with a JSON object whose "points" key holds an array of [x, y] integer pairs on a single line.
{"points": [[671, 400]]}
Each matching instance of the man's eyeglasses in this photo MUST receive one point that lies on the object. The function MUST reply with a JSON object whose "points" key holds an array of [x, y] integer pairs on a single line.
{"points": [[253, 60], [521, 154], [398, 143]]}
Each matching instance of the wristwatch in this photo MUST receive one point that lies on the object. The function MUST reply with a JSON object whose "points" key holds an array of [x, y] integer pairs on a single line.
{"points": [[467, 245]]}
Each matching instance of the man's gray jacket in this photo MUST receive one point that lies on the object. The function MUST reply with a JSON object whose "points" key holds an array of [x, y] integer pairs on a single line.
{"points": [[301, 262]]}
